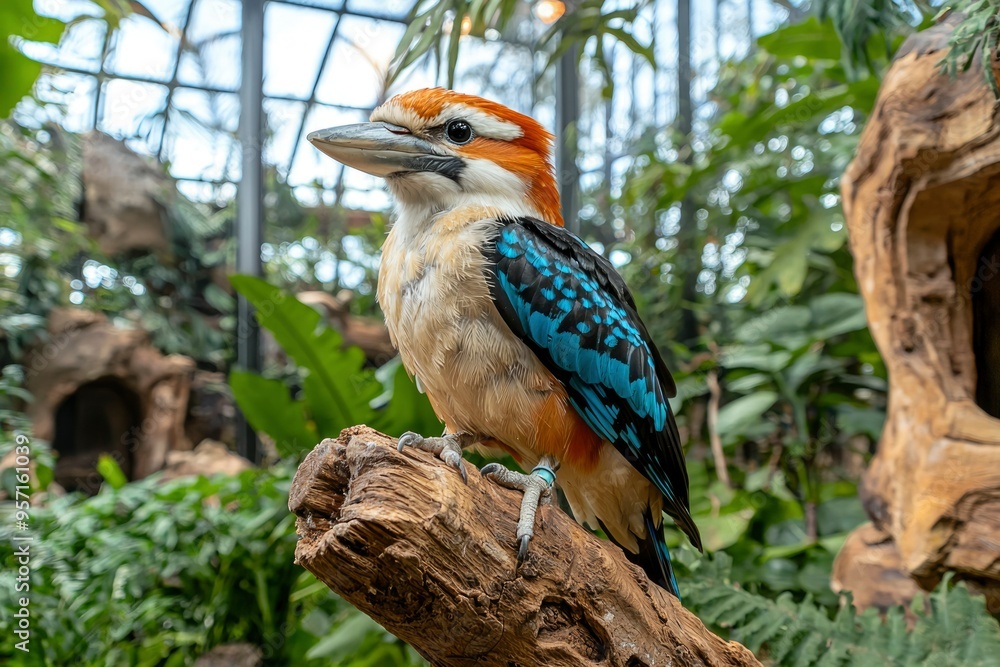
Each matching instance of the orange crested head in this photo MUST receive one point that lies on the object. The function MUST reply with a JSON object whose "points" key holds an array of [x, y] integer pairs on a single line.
{"points": [[441, 148]]}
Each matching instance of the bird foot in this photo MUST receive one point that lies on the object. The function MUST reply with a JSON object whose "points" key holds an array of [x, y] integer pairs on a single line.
{"points": [[537, 489], [448, 447]]}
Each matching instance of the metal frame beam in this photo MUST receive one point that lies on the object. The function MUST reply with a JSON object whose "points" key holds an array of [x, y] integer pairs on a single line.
{"points": [[567, 115], [249, 200], [311, 100], [172, 86]]}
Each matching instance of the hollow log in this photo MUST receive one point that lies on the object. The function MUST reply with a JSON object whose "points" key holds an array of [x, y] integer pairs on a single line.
{"points": [[433, 560], [922, 205], [103, 389]]}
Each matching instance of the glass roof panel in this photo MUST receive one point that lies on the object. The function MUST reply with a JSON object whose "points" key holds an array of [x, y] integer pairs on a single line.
{"points": [[212, 18], [282, 119], [418, 76], [200, 39], [209, 193], [354, 72], [362, 182], [310, 165], [128, 107], [215, 111], [81, 47], [396, 9], [171, 13], [371, 200], [141, 48], [496, 69], [219, 60], [323, 4], [296, 41], [68, 98], [194, 151], [190, 69]]}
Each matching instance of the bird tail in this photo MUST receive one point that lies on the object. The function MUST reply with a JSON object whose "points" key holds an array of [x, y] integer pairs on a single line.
{"points": [[654, 557]]}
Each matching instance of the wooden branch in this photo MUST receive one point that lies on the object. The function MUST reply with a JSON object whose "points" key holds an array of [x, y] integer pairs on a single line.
{"points": [[718, 454], [401, 537]]}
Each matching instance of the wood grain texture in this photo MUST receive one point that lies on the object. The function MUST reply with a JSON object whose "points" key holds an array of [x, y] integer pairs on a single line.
{"points": [[922, 201], [401, 537]]}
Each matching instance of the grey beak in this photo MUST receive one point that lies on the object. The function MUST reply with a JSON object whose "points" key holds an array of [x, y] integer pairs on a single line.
{"points": [[383, 149]]}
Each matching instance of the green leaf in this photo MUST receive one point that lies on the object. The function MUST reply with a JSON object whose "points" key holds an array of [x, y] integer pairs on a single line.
{"points": [[747, 382], [270, 409], [837, 313], [866, 421], [769, 121], [791, 273], [45, 475], [338, 388], [810, 38], [18, 20], [218, 299], [453, 46], [111, 472], [723, 530], [806, 365], [775, 324], [346, 638], [736, 416], [759, 357], [402, 407]]}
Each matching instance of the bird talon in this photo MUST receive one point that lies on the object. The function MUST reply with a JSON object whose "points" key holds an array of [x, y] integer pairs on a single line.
{"points": [[522, 550], [537, 490], [454, 459], [409, 439], [447, 447]]}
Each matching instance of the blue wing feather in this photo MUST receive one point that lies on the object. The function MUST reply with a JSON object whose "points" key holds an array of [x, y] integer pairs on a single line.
{"points": [[575, 312]]}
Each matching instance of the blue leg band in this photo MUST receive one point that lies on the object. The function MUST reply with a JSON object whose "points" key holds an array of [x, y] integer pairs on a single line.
{"points": [[546, 473]]}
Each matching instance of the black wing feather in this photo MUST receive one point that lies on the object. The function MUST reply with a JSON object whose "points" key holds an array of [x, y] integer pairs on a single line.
{"points": [[575, 312]]}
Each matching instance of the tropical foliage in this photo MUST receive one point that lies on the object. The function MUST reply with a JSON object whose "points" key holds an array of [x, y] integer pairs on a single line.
{"points": [[781, 390], [949, 627], [18, 21], [153, 573], [336, 387]]}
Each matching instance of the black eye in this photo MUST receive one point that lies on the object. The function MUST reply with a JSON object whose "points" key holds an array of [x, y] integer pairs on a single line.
{"points": [[459, 132]]}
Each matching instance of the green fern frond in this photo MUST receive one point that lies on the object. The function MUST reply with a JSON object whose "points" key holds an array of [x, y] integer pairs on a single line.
{"points": [[863, 23], [953, 628], [977, 32]]}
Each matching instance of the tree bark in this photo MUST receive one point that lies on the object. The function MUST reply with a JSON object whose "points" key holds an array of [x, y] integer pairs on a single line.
{"points": [[433, 559]]}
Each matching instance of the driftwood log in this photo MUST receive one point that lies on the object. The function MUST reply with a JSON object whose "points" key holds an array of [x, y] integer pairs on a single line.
{"points": [[401, 537], [922, 205]]}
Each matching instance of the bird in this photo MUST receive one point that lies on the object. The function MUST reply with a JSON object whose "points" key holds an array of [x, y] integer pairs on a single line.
{"points": [[524, 338]]}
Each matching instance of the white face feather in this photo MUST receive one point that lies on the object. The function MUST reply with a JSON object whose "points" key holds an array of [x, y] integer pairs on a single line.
{"points": [[421, 196]]}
